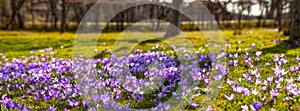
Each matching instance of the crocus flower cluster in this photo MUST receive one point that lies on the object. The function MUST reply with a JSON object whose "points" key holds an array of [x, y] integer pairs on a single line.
{"points": [[265, 87], [12, 105], [152, 79], [82, 83], [143, 78], [40, 77]]}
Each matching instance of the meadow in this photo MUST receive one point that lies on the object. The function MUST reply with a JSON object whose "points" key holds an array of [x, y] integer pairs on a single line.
{"points": [[261, 72]]}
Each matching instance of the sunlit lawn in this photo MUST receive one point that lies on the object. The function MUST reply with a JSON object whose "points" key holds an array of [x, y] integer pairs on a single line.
{"points": [[20, 43], [15, 44]]}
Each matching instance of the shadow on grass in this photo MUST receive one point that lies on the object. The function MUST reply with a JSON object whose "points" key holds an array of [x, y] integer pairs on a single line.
{"points": [[143, 43], [30, 48], [280, 48], [150, 41]]}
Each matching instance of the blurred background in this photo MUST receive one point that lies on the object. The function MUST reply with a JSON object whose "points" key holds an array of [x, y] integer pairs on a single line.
{"points": [[255, 32], [66, 15], [37, 24]]}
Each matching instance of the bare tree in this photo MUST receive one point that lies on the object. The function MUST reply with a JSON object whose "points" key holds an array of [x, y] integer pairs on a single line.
{"points": [[16, 17], [79, 10], [273, 6], [249, 8], [225, 14], [295, 27], [53, 9], [161, 13], [242, 6], [4, 14], [279, 9], [47, 14], [276, 13], [32, 13], [63, 16], [263, 6], [175, 20]]}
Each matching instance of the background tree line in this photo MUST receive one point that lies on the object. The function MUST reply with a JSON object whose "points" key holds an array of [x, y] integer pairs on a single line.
{"points": [[65, 15]]}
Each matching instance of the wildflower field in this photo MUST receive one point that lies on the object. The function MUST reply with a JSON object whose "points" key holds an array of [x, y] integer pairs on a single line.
{"points": [[37, 72]]}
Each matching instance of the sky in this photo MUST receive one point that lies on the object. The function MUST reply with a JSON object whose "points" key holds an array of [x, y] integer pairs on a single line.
{"points": [[254, 11]]}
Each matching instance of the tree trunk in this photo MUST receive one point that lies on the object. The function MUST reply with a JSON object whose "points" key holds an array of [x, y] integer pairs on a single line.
{"points": [[175, 20], [63, 17], [16, 17], [47, 20], [202, 22], [32, 14], [265, 16], [159, 12], [4, 17], [259, 19], [53, 5], [240, 20], [20, 21], [13, 15], [279, 15], [270, 14], [295, 27]]}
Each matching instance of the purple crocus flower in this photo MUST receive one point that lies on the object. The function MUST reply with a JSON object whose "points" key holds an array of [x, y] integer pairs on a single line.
{"points": [[237, 47], [127, 107], [12, 105], [278, 85], [246, 91], [230, 82], [249, 79], [51, 108], [298, 58], [21, 107], [247, 53], [244, 107], [167, 107], [230, 55], [194, 104], [206, 81], [246, 75], [294, 68], [272, 100], [290, 80], [85, 104], [258, 53], [274, 93], [238, 89], [161, 95], [257, 106], [287, 99], [255, 92], [253, 45], [73, 103], [218, 77], [236, 55], [270, 79], [230, 63], [209, 108], [235, 63], [32, 51], [229, 97], [264, 87]]}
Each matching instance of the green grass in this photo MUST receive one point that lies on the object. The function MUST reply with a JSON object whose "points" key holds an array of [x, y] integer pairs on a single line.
{"points": [[15, 44], [20, 43]]}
